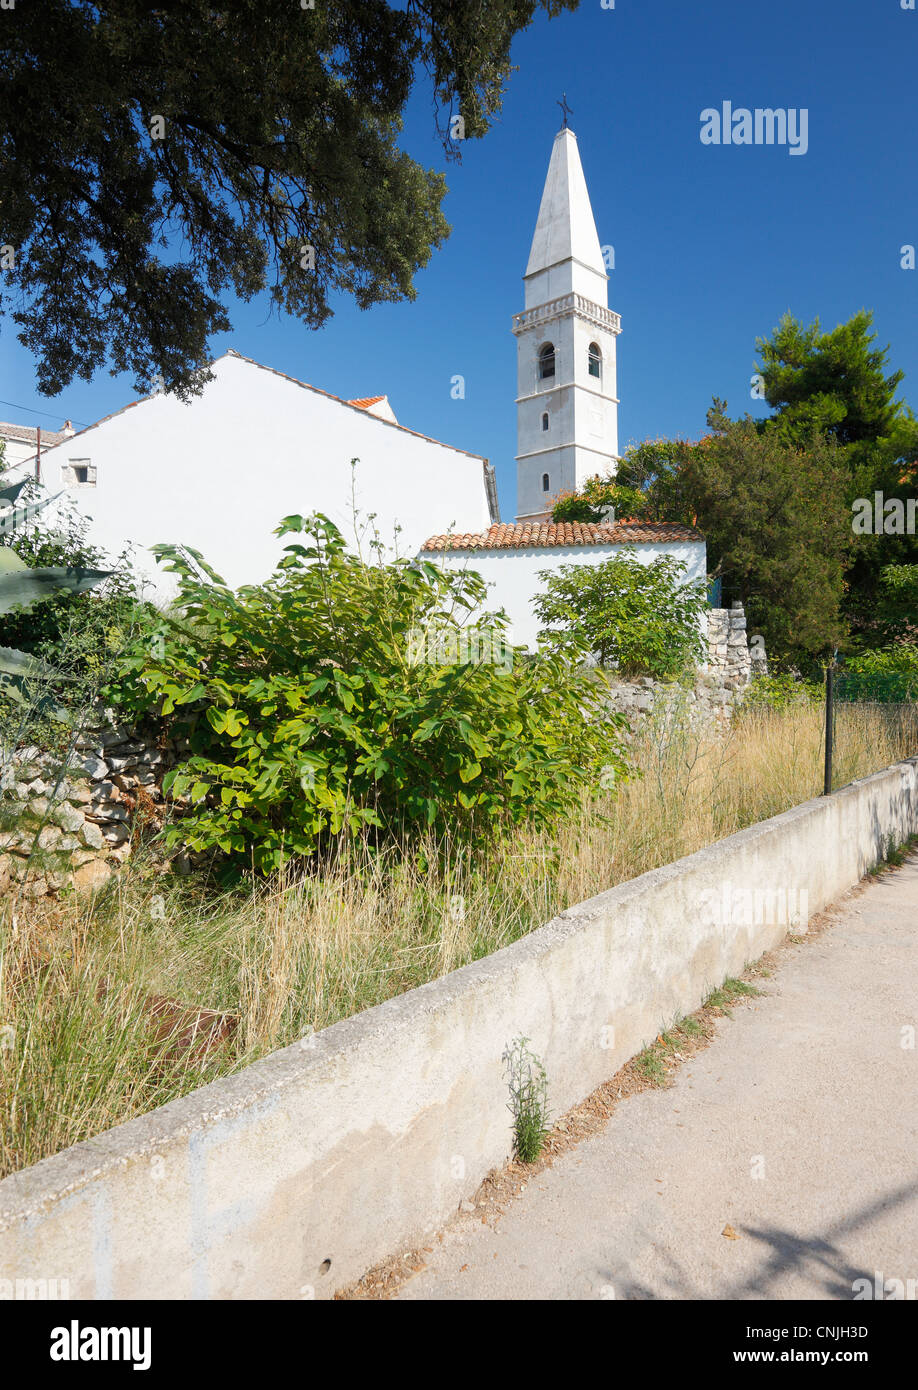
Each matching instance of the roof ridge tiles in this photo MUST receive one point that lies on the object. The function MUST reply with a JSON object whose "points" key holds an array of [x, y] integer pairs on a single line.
{"points": [[523, 535]]}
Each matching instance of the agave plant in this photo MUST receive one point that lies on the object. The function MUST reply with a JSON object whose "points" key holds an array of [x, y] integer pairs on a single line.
{"points": [[22, 587]]}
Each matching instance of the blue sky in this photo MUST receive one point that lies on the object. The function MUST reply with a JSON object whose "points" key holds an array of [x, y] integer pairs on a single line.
{"points": [[712, 244]]}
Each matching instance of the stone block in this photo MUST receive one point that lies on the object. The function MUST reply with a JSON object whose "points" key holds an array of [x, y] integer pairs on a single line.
{"points": [[68, 818], [107, 811], [119, 764], [91, 836], [91, 876], [105, 791], [94, 767], [82, 856]]}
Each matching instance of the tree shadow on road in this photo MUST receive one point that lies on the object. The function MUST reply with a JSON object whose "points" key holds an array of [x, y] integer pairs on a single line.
{"points": [[818, 1260]]}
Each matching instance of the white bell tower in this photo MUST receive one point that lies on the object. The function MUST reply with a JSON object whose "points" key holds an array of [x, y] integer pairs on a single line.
{"points": [[567, 405]]}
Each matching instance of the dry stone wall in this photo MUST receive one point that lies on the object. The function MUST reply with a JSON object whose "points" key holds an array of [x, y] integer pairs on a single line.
{"points": [[69, 820], [718, 687]]}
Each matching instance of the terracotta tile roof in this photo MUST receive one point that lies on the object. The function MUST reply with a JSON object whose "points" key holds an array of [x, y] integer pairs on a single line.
{"points": [[523, 535], [365, 401], [26, 434]]}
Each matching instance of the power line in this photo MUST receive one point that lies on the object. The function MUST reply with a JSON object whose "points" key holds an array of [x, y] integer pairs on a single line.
{"points": [[29, 411]]}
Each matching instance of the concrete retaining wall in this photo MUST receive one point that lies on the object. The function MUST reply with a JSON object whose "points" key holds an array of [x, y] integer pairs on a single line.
{"points": [[293, 1177]]}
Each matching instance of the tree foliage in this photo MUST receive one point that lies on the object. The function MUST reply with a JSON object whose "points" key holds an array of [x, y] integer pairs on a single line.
{"points": [[777, 529], [775, 497], [886, 675], [154, 159], [896, 613], [836, 381], [24, 587], [839, 384], [648, 485]]}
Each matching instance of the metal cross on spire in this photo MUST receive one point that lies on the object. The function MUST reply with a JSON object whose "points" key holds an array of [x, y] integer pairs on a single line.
{"points": [[565, 109]]}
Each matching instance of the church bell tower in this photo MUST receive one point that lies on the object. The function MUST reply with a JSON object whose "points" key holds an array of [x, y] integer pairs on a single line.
{"points": [[567, 406]]}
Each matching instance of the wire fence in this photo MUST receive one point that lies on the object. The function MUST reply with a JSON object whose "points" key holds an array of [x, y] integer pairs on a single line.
{"points": [[892, 695], [890, 688]]}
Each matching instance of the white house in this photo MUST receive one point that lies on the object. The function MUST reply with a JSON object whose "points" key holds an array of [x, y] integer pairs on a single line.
{"points": [[219, 472], [567, 416], [23, 444], [510, 558]]}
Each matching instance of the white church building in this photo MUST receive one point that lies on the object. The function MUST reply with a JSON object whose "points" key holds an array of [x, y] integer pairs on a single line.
{"points": [[567, 416]]}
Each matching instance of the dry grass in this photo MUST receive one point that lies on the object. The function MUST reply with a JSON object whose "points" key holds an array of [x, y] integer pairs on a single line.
{"points": [[81, 1049]]}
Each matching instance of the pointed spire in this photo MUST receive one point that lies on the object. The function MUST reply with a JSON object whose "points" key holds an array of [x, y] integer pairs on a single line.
{"points": [[565, 231]]}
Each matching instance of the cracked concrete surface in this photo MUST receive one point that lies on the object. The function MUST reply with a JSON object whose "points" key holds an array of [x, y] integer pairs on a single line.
{"points": [[797, 1128]]}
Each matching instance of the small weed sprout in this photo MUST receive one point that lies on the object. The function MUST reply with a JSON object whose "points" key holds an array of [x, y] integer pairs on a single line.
{"points": [[528, 1100], [728, 993], [895, 854]]}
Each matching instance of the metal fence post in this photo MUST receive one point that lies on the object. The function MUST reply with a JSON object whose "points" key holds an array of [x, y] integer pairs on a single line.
{"points": [[830, 721]]}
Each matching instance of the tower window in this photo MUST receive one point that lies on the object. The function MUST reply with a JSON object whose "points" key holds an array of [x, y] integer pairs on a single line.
{"points": [[546, 484], [595, 360], [546, 361], [545, 420]]}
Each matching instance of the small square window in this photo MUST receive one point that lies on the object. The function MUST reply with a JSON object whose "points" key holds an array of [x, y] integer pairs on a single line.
{"points": [[79, 473]]}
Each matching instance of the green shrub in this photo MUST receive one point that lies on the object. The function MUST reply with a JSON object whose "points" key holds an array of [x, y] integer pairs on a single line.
{"points": [[641, 619], [897, 604], [901, 660], [781, 692], [88, 623], [62, 619], [350, 696], [887, 675]]}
